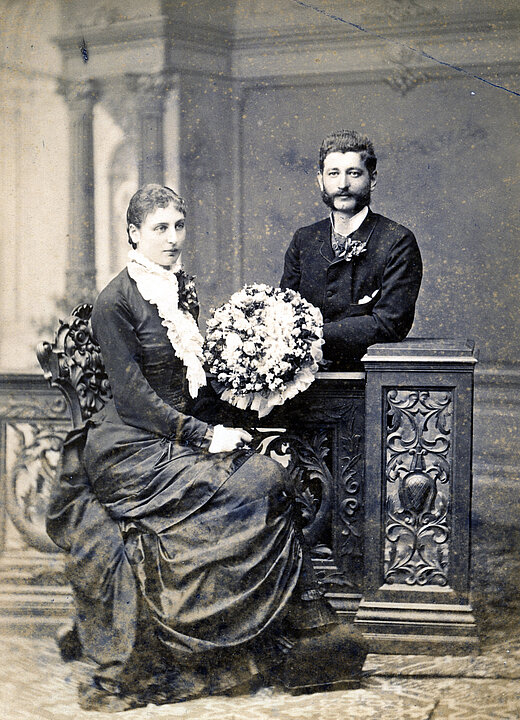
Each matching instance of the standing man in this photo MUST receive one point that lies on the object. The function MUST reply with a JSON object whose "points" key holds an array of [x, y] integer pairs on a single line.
{"points": [[361, 269]]}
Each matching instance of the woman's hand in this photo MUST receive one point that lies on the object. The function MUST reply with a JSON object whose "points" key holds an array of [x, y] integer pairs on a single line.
{"points": [[226, 439]]}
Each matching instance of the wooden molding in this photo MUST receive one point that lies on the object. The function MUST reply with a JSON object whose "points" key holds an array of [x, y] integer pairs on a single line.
{"points": [[412, 45]]}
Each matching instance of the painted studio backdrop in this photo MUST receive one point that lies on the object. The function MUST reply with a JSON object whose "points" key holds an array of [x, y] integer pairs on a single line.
{"points": [[227, 102]]}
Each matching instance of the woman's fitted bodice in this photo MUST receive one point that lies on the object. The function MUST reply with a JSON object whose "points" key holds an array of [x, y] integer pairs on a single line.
{"points": [[165, 373], [158, 362], [148, 380]]}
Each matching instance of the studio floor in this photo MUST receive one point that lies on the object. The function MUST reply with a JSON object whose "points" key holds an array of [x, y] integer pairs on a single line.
{"points": [[36, 685]]}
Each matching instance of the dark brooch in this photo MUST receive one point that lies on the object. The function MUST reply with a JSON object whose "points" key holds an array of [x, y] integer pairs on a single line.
{"points": [[188, 299]]}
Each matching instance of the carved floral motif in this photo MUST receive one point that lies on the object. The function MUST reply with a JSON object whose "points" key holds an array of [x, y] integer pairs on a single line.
{"points": [[310, 478], [30, 479], [327, 489], [406, 9], [405, 76], [74, 364], [404, 79], [149, 87], [312, 485], [418, 473], [350, 483]]}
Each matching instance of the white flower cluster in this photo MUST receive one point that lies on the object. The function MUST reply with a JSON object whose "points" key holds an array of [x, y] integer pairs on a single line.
{"points": [[263, 346]]}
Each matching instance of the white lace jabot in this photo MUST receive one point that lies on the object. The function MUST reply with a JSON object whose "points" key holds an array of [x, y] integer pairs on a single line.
{"points": [[160, 287]]}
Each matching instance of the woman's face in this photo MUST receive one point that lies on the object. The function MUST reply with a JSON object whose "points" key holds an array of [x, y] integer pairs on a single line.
{"points": [[161, 235]]}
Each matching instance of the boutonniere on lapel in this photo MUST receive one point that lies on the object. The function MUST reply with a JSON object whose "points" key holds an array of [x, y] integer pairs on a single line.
{"points": [[354, 248], [188, 299], [347, 247]]}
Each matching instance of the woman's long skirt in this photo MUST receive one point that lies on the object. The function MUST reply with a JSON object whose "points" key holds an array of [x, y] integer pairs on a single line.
{"points": [[181, 561]]}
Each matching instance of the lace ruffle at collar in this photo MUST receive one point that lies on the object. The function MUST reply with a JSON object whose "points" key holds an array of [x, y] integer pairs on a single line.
{"points": [[161, 288]]}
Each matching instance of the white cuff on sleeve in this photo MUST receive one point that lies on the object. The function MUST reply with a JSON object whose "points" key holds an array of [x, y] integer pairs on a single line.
{"points": [[217, 440]]}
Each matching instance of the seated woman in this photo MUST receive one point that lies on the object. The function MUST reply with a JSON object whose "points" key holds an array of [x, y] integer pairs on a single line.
{"points": [[188, 572]]}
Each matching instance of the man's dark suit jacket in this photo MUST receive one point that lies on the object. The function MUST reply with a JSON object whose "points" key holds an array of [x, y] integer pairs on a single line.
{"points": [[389, 272]]}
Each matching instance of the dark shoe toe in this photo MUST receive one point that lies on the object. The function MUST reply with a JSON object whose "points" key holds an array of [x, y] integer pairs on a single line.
{"points": [[327, 660], [69, 644], [92, 697]]}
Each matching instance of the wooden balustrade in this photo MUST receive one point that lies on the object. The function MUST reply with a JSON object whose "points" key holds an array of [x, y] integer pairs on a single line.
{"points": [[380, 461]]}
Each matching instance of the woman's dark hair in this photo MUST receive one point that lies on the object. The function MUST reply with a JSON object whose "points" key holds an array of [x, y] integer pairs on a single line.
{"points": [[349, 141], [146, 200]]}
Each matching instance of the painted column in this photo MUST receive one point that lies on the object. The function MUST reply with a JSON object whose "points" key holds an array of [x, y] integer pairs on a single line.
{"points": [[81, 97], [149, 93]]}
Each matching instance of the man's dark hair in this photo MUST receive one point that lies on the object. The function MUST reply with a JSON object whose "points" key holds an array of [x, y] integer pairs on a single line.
{"points": [[349, 141], [146, 200]]}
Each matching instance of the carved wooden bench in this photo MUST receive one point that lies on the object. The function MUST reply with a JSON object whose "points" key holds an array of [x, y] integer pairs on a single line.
{"points": [[73, 364]]}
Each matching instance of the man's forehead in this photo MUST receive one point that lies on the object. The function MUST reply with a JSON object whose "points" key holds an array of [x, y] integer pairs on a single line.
{"points": [[344, 160]]}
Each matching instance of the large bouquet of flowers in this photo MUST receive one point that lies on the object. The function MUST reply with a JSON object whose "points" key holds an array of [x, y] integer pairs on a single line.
{"points": [[263, 346]]}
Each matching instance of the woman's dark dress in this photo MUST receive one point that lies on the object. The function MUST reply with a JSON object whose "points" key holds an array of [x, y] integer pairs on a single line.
{"points": [[209, 538]]}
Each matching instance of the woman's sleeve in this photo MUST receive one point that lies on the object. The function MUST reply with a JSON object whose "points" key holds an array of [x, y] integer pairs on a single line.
{"points": [[136, 402]]}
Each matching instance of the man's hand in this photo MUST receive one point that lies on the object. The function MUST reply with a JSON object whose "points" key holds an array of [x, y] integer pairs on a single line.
{"points": [[226, 439]]}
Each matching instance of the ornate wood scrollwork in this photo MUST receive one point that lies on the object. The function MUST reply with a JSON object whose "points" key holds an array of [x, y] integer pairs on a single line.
{"points": [[30, 480], [351, 482], [418, 473], [312, 484], [324, 458], [311, 479], [73, 364]]}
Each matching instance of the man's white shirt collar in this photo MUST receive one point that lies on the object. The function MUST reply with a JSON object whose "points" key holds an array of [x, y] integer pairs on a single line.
{"points": [[353, 224]]}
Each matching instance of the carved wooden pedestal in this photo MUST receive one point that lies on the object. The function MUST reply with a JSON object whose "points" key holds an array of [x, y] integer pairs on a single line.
{"points": [[418, 498]]}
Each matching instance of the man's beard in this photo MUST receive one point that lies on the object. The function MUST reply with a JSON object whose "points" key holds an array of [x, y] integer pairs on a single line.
{"points": [[362, 199]]}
